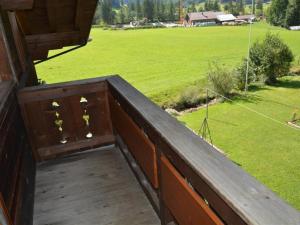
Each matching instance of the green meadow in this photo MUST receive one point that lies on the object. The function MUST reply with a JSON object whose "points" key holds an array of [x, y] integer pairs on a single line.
{"points": [[263, 145], [163, 62], [159, 62]]}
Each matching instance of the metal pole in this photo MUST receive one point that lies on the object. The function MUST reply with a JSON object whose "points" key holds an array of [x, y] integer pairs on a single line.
{"points": [[206, 104], [248, 58]]}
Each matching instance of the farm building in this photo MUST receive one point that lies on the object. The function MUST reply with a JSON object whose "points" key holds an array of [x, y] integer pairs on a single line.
{"points": [[294, 28], [246, 18], [97, 151], [213, 18], [226, 18], [209, 17]]}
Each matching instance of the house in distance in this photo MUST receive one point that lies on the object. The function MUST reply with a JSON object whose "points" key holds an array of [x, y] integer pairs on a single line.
{"points": [[211, 18]]}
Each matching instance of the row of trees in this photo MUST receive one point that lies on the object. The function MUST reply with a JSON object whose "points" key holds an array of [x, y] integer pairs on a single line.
{"points": [[235, 7], [153, 10], [238, 7], [284, 13], [212, 5]]}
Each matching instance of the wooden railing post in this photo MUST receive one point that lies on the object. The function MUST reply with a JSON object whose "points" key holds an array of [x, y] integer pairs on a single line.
{"points": [[164, 214]]}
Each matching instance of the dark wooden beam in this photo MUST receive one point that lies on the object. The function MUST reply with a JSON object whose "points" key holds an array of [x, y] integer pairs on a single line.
{"points": [[5, 69], [16, 4], [28, 72], [84, 15], [53, 40], [51, 14], [8, 59], [39, 54]]}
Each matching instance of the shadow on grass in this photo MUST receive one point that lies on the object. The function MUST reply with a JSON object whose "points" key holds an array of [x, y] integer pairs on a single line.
{"points": [[255, 88], [242, 98], [288, 84], [224, 122], [292, 107], [294, 84]]}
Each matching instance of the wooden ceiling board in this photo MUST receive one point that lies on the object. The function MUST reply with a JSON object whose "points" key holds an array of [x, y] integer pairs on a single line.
{"points": [[53, 24], [16, 4]]}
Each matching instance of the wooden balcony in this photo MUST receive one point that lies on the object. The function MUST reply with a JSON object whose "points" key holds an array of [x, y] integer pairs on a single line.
{"points": [[95, 187], [78, 130]]}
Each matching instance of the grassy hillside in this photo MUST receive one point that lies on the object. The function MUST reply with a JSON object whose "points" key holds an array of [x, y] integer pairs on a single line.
{"points": [[159, 62], [266, 149]]}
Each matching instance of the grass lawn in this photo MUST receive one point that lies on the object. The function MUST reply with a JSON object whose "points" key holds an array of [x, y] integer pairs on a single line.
{"points": [[159, 62], [266, 149]]}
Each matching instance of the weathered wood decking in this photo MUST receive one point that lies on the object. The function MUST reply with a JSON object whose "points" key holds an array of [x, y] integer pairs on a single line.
{"points": [[90, 188]]}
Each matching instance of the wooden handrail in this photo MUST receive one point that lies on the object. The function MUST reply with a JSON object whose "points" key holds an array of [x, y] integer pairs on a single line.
{"points": [[236, 196]]}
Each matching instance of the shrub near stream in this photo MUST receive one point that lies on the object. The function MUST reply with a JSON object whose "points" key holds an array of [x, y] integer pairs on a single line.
{"points": [[221, 79]]}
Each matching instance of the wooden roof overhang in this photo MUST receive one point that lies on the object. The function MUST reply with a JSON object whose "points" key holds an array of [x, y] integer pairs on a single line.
{"points": [[52, 24]]}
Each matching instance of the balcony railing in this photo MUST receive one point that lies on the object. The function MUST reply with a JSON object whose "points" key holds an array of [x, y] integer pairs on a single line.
{"points": [[185, 178]]}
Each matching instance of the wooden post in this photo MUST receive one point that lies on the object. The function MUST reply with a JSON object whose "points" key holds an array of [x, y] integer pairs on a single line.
{"points": [[5, 69], [8, 70], [164, 213], [15, 61]]}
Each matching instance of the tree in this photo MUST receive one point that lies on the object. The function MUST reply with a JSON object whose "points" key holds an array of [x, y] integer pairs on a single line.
{"points": [[259, 4], [232, 7], [162, 12], [97, 17], [149, 9], [156, 9], [293, 13], [216, 5], [226, 7], [192, 7], [206, 5], [106, 11], [253, 7], [211, 5], [131, 11], [171, 16], [270, 59], [187, 18], [241, 74], [277, 13], [122, 12], [138, 7], [259, 8], [220, 79], [241, 6]]}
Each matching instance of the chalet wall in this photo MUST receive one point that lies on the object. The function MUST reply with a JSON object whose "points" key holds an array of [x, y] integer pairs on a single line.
{"points": [[17, 168], [15, 61], [16, 164], [5, 69]]}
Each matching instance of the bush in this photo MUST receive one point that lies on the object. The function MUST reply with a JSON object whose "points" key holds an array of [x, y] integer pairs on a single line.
{"points": [[240, 74], [270, 59], [221, 79], [188, 98]]}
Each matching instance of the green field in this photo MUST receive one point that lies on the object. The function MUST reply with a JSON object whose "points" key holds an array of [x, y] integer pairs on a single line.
{"points": [[159, 62], [162, 62], [268, 150]]}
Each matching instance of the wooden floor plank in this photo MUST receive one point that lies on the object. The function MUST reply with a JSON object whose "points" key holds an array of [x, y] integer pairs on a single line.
{"points": [[91, 188]]}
